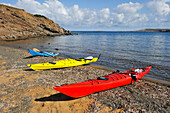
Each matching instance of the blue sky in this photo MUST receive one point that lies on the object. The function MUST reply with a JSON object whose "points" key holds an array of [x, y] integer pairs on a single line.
{"points": [[105, 15]]}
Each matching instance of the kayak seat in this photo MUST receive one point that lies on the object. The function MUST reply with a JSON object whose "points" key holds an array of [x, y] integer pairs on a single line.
{"points": [[52, 63], [102, 78], [78, 59], [133, 77]]}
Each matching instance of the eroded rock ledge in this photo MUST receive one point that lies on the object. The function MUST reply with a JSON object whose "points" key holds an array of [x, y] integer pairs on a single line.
{"points": [[17, 24]]}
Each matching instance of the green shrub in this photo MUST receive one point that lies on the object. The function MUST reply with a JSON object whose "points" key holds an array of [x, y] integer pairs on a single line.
{"points": [[38, 15]]}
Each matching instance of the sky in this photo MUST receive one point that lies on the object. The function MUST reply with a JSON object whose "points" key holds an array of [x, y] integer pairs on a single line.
{"points": [[100, 15]]}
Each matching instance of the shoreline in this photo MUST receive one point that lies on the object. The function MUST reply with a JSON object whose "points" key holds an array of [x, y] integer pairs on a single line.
{"points": [[36, 36], [23, 90], [112, 70]]}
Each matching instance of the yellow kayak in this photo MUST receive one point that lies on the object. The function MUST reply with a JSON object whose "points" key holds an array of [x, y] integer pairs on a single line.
{"points": [[63, 63]]}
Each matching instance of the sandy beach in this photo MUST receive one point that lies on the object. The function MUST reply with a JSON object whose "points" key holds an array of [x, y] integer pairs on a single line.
{"points": [[24, 90]]}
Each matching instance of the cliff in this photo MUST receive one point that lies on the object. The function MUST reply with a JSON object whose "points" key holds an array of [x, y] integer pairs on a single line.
{"points": [[17, 24]]}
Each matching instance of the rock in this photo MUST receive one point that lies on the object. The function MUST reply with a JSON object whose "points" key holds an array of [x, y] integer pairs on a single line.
{"points": [[19, 24]]}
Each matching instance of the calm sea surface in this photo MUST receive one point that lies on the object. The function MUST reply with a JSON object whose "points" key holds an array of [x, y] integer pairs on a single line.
{"points": [[119, 50]]}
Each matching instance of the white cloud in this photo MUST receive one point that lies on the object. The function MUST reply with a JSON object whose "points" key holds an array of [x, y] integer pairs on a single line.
{"points": [[127, 8], [30, 5], [75, 13], [160, 13], [159, 7], [124, 15], [106, 13]]}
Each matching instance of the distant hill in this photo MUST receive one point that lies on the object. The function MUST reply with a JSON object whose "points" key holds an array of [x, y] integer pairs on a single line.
{"points": [[154, 30], [17, 24]]}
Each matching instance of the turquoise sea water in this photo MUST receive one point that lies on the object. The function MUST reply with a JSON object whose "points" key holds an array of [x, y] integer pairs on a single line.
{"points": [[119, 50]]}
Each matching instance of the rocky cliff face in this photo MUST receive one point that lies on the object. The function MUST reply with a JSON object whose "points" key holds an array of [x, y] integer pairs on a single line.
{"points": [[17, 24]]}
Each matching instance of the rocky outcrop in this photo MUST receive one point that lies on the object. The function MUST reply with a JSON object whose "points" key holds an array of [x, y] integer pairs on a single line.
{"points": [[17, 24]]}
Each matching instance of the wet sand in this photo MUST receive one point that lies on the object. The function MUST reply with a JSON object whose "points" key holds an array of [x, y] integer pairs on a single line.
{"points": [[24, 90]]}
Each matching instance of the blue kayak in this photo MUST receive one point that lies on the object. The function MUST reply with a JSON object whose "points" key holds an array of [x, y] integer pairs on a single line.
{"points": [[43, 53]]}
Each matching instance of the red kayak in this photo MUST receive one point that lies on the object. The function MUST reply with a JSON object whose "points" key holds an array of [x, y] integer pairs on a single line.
{"points": [[102, 83]]}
